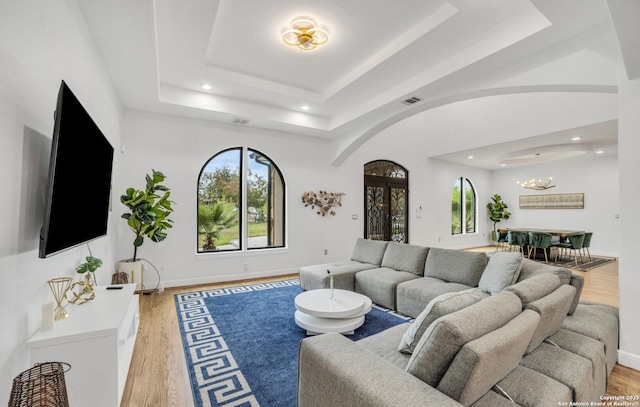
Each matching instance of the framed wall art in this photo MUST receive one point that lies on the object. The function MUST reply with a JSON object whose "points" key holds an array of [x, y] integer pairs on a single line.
{"points": [[552, 201]]}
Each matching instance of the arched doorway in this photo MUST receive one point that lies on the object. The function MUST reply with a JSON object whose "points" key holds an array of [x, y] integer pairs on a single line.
{"points": [[386, 189]]}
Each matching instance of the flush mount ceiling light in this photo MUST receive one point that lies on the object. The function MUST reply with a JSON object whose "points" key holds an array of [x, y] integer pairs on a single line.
{"points": [[304, 35]]}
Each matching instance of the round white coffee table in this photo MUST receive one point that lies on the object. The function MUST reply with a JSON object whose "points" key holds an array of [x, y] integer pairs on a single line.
{"points": [[318, 313]]}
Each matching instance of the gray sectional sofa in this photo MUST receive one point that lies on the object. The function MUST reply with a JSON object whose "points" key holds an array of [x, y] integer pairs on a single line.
{"points": [[488, 331]]}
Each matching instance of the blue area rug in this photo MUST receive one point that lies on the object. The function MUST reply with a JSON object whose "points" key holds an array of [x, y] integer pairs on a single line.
{"points": [[241, 343]]}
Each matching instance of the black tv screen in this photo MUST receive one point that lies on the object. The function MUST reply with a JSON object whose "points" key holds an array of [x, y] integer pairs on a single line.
{"points": [[79, 183]]}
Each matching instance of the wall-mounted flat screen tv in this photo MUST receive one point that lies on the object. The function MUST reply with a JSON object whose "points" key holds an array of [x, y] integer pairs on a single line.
{"points": [[79, 184]]}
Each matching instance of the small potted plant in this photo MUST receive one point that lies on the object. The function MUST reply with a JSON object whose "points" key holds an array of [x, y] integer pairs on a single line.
{"points": [[148, 216], [82, 291], [497, 211], [89, 266]]}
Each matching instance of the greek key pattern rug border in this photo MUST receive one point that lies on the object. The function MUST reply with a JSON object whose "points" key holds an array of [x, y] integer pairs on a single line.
{"points": [[217, 377]]}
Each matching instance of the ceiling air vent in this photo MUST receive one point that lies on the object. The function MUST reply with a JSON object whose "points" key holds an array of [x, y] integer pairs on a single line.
{"points": [[411, 101], [239, 120]]}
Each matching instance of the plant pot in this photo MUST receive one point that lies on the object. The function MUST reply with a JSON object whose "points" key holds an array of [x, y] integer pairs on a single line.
{"points": [[133, 269], [494, 236]]}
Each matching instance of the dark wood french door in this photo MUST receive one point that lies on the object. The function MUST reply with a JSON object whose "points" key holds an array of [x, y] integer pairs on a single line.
{"points": [[386, 202]]}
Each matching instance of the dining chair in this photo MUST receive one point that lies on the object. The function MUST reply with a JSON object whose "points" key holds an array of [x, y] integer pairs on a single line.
{"points": [[517, 239], [587, 243], [539, 240], [574, 245], [502, 241]]}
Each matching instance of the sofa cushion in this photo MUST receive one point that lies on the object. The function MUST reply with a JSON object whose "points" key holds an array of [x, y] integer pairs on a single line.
{"points": [[578, 282], [493, 399], [447, 335], [531, 268], [524, 385], [535, 287], [380, 284], [384, 344], [553, 310], [405, 257], [597, 321], [485, 361], [588, 348], [369, 251], [413, 296], [316, 277], [502, 271], [566, 367], [457, 266], [439, 306]]}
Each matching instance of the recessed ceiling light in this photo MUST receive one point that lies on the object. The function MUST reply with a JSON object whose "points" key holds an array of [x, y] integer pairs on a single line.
{"points": [[305, 107], [576, 138], [470, 157], [206, 86], [503, 165], [600, 152]]}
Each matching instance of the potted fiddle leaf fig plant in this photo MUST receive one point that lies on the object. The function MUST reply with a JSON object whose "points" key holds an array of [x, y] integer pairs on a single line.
{"points": [[497, 211], [148, 217]]}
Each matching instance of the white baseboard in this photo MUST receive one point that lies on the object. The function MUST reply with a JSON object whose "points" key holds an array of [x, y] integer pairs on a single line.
{"points": [[228, 277], [605, 254], [629, 360]]}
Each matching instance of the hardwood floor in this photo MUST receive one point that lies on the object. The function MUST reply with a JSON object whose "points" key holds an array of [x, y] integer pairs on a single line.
{"points": [[158, 374]]}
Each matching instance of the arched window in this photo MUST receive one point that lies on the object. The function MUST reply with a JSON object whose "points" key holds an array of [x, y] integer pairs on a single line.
{"points": [[463, 207], [241, 202]]}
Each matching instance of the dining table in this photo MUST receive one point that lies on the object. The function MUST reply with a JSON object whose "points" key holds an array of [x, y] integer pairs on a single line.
{"points": [[562, 233]]}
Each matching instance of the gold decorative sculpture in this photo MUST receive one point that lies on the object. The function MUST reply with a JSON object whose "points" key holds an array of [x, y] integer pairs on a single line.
{"points": [[59, 287], [323, 200], [81, 291]]}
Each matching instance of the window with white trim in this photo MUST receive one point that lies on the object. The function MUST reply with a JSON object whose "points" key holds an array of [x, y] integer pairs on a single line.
{"points": [[241, 202], [463, 207]]}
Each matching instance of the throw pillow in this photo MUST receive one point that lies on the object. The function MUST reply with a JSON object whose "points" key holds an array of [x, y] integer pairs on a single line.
{"points": [[441, 305], [502, 271]]}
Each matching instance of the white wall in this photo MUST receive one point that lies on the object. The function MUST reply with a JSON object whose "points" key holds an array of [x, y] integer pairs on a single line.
{"points": [[430, 186], [180, 148], [41, 43], [431, 182], [629, 277], [596, 177]]}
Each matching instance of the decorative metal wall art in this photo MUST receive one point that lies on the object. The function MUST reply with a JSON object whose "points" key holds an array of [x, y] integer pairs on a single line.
{"points": [[552, 201], [323, 200]]}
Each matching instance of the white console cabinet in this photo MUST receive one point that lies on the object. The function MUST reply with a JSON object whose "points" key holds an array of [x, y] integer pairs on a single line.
{"points": [[97, 340]]}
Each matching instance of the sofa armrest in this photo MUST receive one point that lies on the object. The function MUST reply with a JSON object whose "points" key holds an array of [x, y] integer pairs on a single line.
{"points": [[335, 371]]}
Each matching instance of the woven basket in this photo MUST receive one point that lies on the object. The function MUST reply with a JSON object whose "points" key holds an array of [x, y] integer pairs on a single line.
{"points": [[41, 386]]}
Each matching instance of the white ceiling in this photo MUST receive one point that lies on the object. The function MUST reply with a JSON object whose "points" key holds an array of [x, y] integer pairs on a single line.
{"points": [[455, 55]]}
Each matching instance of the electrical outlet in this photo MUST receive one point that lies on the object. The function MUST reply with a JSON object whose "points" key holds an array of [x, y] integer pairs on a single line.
{"points": [[246, 266], [326, 252]]}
